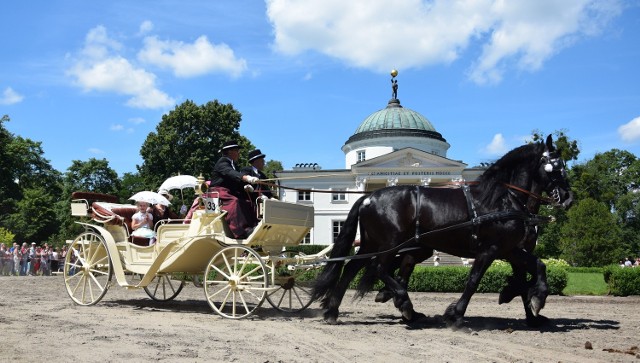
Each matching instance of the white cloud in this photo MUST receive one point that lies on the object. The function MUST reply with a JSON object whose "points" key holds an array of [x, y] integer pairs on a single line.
{"points": [[10, 97], [190, 60], [94, 150], [100, 67], [630, 131], [377, 35], [497, 147], [145, 27], [137, 120], [116, 127]]}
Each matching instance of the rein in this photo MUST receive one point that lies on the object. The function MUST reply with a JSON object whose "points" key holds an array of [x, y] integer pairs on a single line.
{"points": [[476, 221], [434, 185]]}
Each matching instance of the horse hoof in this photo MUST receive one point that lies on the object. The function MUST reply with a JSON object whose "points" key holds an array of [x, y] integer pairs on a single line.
{"points": [[417, 318], [330, 318], [505, 297], [383, 296], [536, 304], [537, 321]]}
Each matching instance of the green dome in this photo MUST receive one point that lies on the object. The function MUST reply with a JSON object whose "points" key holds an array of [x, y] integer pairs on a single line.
{"points": [[395, 120]]}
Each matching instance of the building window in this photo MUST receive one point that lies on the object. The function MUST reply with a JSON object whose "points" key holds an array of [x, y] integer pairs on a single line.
{"points": [[304, 196], [307, 239], [337, 227], [361, 155], [339, 196]]}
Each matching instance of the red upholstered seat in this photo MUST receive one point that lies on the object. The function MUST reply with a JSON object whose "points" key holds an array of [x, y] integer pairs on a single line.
{"points": [[119, 215]]}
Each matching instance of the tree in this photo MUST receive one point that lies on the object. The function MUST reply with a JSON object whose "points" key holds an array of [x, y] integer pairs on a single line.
{"points": [[568, 148], [188, 140], [607, 177], [92, 175], [131, 183], [591, 236], [29, 186]]}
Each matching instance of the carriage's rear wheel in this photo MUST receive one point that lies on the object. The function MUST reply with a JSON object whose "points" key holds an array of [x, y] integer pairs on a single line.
{"points": [[164, 288], [87, 269], [295, 285], [235, 282]]}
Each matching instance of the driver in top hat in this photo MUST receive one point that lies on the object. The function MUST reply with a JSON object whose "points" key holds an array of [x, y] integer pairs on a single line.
{"points": [[234, 188], [256, 159]]}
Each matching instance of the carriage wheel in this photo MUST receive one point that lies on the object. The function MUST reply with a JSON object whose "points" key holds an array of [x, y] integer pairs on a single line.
{"points": [[235, 282], [163, 288], [294, 293], [87, 269]]}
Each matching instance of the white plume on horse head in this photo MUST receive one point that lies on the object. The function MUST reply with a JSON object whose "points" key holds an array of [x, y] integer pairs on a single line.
{"points": [[366, 202]]}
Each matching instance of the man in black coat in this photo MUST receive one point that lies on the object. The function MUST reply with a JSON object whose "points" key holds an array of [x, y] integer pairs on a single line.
{"points": [[234, 188], [256, 159]]}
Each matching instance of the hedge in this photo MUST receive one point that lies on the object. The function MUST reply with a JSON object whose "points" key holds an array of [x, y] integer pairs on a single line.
{"points": [[622, 281], [454, 278]]}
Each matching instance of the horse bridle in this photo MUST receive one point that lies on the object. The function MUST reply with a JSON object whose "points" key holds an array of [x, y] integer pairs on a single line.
{"points": [[554, 167]]}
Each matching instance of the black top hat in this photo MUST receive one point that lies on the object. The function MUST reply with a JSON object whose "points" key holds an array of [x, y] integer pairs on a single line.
{"points": [[256, 154], [231, 144]]}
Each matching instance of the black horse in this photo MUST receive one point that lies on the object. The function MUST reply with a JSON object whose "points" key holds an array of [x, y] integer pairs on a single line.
{"points": [[493, 218]]}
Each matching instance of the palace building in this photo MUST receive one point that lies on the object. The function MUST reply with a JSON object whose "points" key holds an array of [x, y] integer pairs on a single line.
{"points": [[392, 146]]}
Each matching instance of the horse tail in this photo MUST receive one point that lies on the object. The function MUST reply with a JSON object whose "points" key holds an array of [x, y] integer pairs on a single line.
{"points": [[330, 275]]}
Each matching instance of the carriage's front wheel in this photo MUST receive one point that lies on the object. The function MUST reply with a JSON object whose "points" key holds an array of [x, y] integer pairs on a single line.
{"points": [[87, 269], [164, 288], [295, 284], [235, 282]]}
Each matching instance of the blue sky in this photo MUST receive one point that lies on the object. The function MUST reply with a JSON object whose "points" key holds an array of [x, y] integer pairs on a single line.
{"points": [[93, 78]]}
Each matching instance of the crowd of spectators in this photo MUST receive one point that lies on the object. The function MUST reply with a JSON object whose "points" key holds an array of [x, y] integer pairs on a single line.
{"points": [[31, 260], [630, 262]]}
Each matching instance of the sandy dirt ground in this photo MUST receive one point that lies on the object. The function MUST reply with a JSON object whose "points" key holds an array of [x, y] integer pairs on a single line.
{"points": [[39, 322]]}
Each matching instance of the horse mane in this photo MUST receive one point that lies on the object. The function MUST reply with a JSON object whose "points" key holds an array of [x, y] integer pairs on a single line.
{"points": [[491, 183]]}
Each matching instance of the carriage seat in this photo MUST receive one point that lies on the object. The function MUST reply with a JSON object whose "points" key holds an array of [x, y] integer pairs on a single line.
{"points": [[118, 215]]}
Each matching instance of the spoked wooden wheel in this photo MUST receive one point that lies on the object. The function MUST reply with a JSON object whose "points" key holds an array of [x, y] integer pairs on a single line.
{"points": [[235, 282], [87, 269], [164, 288], [294, 293]]}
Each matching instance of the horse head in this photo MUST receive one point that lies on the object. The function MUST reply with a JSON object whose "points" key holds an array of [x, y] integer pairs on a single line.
{"points": [[554, 176]]}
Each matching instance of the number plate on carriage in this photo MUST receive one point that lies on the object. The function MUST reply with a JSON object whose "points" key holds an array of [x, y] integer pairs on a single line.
{"points": [[211, 202]]}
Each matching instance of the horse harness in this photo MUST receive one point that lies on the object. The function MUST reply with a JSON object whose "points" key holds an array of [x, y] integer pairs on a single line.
{"points": [[475, 221]]}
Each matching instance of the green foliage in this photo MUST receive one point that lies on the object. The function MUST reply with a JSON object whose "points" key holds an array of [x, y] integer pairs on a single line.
{"points": [[35, 217], [557, 279], [91, 176], [307, 249], [188, 139], [29, 187], [591, 236], [556, 263], [624, 281], [577, 270], [568, 148], [6, 237], [454, 278]]}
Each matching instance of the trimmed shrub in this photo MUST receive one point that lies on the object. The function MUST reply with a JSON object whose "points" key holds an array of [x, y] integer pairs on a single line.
{"points": [[623, 281], [454, 278]]}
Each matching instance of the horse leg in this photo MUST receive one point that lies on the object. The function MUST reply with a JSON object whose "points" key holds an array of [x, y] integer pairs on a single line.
{"points": [[332, 302], [537, 294], [400, 296], [454, 313], [406, 263], [517, 283], [533, 293]]}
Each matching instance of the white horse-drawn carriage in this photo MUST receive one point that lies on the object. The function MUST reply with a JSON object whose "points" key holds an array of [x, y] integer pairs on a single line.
{"points": [[236, 275]]}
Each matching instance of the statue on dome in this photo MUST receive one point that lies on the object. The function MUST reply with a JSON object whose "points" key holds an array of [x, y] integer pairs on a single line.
{"points": [[394, 84], [394, 87]]}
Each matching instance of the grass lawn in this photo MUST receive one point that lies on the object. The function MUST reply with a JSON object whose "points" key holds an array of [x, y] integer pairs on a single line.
{"points": [[585, 283]]}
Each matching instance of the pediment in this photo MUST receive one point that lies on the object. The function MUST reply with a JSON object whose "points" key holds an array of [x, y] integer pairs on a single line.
{"points": [[409, 158]]}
